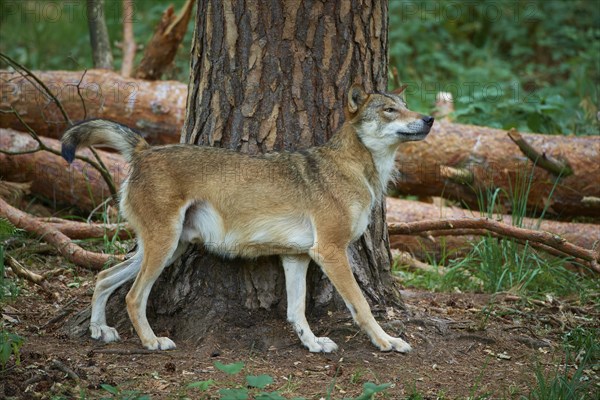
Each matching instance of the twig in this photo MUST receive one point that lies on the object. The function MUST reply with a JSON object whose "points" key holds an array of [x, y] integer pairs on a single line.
{"points": [[60, 316], [556, 167], [79, 94], [544, 238], [64, 245], [99, 206], [62, 367], [128, 352]]}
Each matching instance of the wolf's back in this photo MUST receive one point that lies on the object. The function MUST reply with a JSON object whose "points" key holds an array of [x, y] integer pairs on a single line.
{"points": [[102, 132]]}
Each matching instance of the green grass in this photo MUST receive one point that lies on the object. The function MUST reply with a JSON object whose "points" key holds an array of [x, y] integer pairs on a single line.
{"points": [[570, 380], [8, 288]]}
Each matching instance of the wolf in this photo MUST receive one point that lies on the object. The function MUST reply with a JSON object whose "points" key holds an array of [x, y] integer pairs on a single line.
{"points": [[305, 205]]}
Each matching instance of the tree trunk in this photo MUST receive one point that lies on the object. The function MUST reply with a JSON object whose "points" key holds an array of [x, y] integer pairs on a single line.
{"points": [[484, 158], [272, 76], [101, 53], [156, 109]]}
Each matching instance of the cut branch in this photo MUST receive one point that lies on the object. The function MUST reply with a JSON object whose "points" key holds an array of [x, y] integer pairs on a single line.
{"points": [[551, 165], [162, 47], [63, 244], [460, 162]]}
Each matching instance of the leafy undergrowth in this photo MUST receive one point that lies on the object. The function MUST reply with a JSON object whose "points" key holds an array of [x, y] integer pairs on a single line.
{"points": [[529, 65]]}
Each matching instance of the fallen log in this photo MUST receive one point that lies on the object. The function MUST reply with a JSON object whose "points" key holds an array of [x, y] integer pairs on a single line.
{"points": [[458, 161], [442, 243], [51, 176], [155, 108], [455, 161]]}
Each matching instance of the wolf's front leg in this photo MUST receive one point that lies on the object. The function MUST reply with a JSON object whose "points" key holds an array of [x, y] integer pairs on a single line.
{"points": [[337, 268], [295, 268]]}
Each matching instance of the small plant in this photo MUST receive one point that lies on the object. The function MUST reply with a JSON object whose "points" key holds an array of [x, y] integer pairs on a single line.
{"points": [[255, 386], [570, 381], [118, 393], [7, 288], [10, 345]]}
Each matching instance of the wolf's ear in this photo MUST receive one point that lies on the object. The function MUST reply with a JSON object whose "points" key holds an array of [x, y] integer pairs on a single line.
{"points": [[400, 90], [356, 98]]}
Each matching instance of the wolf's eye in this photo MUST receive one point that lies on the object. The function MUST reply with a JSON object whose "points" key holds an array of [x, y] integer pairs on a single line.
{"points": [[389, 110]]}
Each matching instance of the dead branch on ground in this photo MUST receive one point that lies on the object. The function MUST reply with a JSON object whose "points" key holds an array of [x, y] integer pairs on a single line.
{"points": [[64, 245], [19, 270], [84, 230], [547, 239]]}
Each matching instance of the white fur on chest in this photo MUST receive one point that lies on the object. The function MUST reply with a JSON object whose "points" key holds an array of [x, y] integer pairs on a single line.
{"points": [[360, 219]]}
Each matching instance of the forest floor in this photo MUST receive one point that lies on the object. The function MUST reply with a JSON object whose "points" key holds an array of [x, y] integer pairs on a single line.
{"points": [[464, 346]]}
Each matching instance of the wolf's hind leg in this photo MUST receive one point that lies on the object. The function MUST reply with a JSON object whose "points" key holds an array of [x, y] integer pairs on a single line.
{"points": [[158, 254], [107, 282], [295, 268]]}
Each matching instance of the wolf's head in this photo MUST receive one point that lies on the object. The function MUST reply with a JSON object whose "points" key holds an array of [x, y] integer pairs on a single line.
{"points": [[382, 120]]}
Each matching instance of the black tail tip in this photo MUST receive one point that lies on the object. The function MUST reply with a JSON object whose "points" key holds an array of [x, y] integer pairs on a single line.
{"points": [[68, 152]]}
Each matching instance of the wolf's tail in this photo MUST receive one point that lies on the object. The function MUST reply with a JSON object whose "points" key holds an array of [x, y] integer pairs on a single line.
{"points": [[102, 132]]}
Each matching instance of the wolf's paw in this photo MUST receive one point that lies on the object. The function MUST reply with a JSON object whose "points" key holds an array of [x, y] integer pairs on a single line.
{"points": [[104, 333], [321, 345], [160, 343], [391, 343]]}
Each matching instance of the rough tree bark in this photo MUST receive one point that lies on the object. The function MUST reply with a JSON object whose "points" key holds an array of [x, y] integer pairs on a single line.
{"points": [[101, 52], [272, 76]]}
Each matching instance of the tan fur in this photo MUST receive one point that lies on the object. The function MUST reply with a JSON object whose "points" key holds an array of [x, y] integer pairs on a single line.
{"points": [[314, 202]]}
